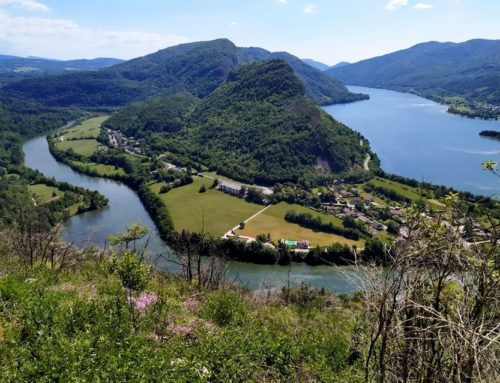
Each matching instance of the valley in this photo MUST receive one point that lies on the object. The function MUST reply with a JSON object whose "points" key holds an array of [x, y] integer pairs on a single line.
{"points": [[257, 191]]}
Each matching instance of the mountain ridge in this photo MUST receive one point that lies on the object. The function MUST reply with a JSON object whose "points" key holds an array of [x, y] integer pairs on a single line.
{"points": [[197, 68], [256, 127], [433, 69]]}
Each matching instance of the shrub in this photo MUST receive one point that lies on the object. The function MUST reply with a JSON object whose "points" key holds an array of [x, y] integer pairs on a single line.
{"points": [[132, 271], [224, 308]]}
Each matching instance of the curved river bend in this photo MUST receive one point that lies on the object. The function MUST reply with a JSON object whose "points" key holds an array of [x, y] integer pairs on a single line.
{"points": [[125, 208], [414, 137]]}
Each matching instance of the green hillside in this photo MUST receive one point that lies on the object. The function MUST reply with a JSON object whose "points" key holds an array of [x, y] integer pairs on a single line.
{"points": [[257, 127], [197, 68], [470, 70], [319, 87]]}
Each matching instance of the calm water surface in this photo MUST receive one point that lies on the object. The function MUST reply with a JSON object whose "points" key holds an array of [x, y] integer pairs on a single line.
{"points": [[412, 136], [125, 208], [417, 138]]}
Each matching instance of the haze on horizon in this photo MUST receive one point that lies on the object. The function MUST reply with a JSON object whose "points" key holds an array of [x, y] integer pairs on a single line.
{"points": [[325, 30]]}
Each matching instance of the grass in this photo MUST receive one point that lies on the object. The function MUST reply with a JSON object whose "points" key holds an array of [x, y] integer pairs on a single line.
{"points": [[413, 193], [78, 324], [405, 190], [86, 129], [101, 169], [273, 221], [221, 212], [44, 193], [82, 137], [85, 147], [374, 198]]}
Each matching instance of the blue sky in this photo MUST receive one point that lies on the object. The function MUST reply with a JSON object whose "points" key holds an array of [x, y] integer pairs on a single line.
{"points": [[325, 30]]}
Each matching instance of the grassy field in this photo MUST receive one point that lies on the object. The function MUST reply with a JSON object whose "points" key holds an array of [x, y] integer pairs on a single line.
{"points": [[272, 221], [82, 137], [86, 129], [410, 192], [221, 212], [85, 147], [44, 193], [102, 170]]}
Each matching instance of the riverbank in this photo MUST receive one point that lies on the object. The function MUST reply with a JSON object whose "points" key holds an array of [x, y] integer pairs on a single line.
{"points": [[125, 208]]}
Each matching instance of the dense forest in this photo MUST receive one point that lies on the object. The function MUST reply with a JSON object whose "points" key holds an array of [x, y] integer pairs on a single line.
{"points": [[196, 68], [470, 70], [256, 127], [319, 87]]}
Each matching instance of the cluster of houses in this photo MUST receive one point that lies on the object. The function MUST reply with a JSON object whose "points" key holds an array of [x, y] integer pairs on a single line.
{"points": [[485, 105], [352, 194], [130, 144]]}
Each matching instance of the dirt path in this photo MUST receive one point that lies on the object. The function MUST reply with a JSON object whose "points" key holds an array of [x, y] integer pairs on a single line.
{"points": [[245, 221], [365, 162]]}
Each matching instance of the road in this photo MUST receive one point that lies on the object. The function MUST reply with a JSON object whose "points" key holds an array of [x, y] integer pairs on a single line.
{"points": [[366, 161], [230, 232]]}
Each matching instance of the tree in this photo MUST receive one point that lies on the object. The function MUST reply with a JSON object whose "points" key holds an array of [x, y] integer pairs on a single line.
{"points": [[433, 315]]}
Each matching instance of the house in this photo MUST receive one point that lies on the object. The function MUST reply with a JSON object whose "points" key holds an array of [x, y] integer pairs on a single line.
{"points": [[378, 226], [395, 213], [368, 198], [303, 244], [364, 219], [231, 187]]}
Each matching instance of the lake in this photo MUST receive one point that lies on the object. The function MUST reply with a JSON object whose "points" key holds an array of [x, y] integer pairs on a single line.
{"points": [[416, 138], [412, 136]]}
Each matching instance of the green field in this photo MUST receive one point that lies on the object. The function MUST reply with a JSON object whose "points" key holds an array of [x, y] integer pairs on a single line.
{"points": [[220, 212], [101, 169], [85, 147], [43, 193], [86, 129], [273, 221], [413, 193]]}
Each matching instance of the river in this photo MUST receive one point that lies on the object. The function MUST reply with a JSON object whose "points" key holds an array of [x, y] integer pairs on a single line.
{"points": [[413, 137], [125, 208], [416, 138]]}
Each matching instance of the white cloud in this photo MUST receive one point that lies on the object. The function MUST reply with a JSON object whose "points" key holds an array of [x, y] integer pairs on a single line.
{"points": [[281, 2], [395, 4], [233, 24], [29, 5], [65, 39], [309, 8], [422, 6]]}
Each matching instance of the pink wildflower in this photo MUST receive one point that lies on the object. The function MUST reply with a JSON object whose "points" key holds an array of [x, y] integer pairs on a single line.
{"points": [[144, 300]]}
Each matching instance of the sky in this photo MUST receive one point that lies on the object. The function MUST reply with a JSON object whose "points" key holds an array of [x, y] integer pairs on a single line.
{"points": [[325, 30]]}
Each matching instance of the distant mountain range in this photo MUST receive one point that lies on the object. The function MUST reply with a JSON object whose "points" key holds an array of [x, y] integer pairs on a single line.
{"points": [[340, 64], [316, 64], [196, 68], [470, 70], [257, 127], [14, 67]]}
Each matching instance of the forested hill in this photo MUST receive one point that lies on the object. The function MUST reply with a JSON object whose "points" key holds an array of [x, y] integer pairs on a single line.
{"points": [[470, 70], [196, 68], [258, 127], [319, 87]]}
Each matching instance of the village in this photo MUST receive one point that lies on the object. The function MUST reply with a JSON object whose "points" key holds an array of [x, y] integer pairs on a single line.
{"points": [[349, 201], [130, 144]]}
